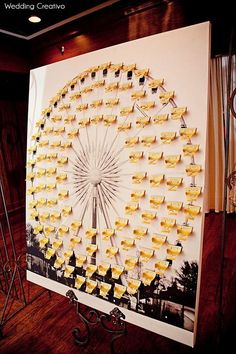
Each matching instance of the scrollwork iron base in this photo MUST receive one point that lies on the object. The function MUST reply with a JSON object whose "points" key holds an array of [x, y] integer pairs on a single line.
{"points": [[113, 323]]}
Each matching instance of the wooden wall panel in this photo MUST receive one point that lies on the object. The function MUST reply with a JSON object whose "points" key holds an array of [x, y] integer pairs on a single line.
{"points": [[109, 28], [14, 56], [13, 120]]}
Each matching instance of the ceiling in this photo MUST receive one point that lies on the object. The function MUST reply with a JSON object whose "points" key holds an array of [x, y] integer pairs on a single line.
{"points": [[14, 14], [55, 14]]}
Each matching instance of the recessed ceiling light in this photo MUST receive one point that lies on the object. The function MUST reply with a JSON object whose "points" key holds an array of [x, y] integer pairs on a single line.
{"points": [[34, 19]]}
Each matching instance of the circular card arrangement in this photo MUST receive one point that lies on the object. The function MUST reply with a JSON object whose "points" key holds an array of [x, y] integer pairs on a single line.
{"points": [[112, 181]]}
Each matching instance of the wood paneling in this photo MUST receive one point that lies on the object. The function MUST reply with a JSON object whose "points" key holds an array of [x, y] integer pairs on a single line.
{"points": [[104, 29], [13, 121], [14, 54]]}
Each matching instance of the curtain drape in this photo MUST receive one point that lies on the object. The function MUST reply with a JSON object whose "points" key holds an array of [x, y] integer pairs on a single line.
{"points": [[216, 133]]}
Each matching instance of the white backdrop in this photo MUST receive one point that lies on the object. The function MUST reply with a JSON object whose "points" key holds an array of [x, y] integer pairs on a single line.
{"points": [[99, 167]]}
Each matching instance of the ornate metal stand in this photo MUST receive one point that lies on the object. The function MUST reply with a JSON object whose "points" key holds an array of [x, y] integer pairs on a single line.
{"points": [[113, 323], [11, 279]]}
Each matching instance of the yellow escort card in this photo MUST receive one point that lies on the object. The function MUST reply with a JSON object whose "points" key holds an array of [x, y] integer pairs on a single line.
{"points": [[125, 111], [148, 276], [127, 244], [91, 249], [111, 251], [83, 122], [54, 216], [166, 96], [160, 118], [111, 87], [192, 193], [133, 285], [80, 260], [110, 119], [124, 127], [137, 95], [153, 157], [148, 216], [43, 241], [116, 271], [190, 149], [126, 86], [104, 289], [130, 263], [136, 156], [158, 241], [91, 232], [139, 232], [71, 134], [136, 195], [66, 210], [68, 271], [68, 120], [121, 223], [141, 72], [58, 262], [119, 291], [173, 183], [184, 231], [193, 170], [96, 103], [107, 233], [174, 207], [111, 102], [131, 208], [161, 267], [62, 230], [146, 254], [156, 83], [49, 253], [167, 137], [139, 177], [156, 200], [132, 141], [187, 133], [90, 285], [90, 270], [172, 160], [103, 268], [75, 225], [148, 140], [147, 105], [178, 112], [79, 281], [96, 119], [74, 241], [167, 224], [173, 251], [155, 180], [142, 122], [191, 211]]}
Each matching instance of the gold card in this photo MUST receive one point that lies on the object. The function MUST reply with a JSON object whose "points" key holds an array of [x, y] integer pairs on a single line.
{"points": [[178, 112], [173, 183], [167, 224], [172, 160], [156, 200], [158, 241], [166, 96], [160, 118], [147, 276], [156, 180]]}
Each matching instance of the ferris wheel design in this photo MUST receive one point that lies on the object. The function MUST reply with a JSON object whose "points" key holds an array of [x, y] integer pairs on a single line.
{"points": [[112, 180]]}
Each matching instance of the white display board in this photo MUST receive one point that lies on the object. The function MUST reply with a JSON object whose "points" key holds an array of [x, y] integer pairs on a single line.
{"points": [[115, 178]]}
